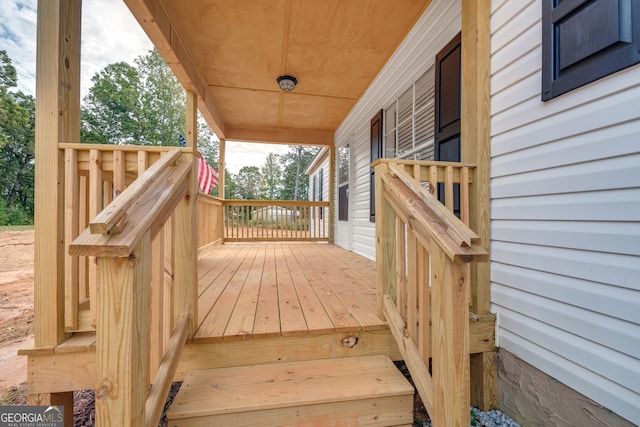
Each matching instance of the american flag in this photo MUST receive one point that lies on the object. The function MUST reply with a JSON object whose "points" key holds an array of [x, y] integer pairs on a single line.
{"points": [[207, 176]]}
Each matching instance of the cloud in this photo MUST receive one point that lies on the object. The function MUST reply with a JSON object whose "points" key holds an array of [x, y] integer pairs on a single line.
{"points": [[110, 34], [18, 38], [239, 154]]}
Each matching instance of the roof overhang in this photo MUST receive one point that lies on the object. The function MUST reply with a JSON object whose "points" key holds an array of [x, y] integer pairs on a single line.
{"points": [[230, 54]]}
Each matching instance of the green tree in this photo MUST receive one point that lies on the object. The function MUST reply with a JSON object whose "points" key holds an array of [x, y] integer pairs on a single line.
{"points": [[162, 100], [17, 152], [142, 105], [271, 181], [111, 113], [247, 183], [295, 183]]}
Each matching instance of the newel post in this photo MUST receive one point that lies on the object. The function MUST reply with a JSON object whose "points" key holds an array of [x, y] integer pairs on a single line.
{"points": [[385, 239], [123, 338], [450, 341], [185, 229]]}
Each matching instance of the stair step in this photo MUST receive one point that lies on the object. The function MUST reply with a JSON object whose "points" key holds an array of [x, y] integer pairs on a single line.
{"points": [[364, 391]]}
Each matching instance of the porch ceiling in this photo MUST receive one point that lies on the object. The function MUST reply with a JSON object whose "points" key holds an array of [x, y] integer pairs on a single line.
{"points": [[231, 52]]}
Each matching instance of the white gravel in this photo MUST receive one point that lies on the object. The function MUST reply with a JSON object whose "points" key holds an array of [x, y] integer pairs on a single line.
{"points": [[492, 418]]}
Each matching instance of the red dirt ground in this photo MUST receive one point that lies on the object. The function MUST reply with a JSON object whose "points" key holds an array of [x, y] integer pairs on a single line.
{"points": [[16, 305]]}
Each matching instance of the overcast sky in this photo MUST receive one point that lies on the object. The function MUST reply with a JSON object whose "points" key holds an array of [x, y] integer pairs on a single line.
{"points": [[109, 34]]}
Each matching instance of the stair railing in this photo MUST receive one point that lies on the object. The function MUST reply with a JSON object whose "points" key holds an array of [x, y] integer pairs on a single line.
{"points": [[423, 252], [154, 215]]}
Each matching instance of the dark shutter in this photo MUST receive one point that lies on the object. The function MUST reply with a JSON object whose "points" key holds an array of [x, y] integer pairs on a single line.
{"points": [[448, 107], [343, 203], [321, 189], [447, 128], [585, 40], [376, 153]]}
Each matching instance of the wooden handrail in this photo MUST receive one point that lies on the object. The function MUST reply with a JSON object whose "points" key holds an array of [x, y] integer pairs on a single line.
{"points": [[418, 213], [457, 230], [127, 283], [149, 211], [423, 252], [111, 215], [164, 377]]}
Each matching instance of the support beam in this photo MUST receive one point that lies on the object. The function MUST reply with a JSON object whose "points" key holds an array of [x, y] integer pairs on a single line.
{"points": [[191, 119], [332, 189], [186, 226], [221, 167], [475, 134], [57, 120]]}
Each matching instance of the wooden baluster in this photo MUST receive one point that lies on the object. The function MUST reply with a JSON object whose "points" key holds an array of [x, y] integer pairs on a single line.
{"points": [[71, 227], [401, 268], [464, 195], [412, 286], [157, 302], [448, 188], [168, 272], [143, 162], [433, 180], [119, 173], [83, 220], [95, 206], [424, 305]]}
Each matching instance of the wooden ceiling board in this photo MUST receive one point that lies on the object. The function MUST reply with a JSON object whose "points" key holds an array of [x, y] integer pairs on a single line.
{"points": [[233, 43], [305, 111], [342, 44], [233, 51], [246, 107]]}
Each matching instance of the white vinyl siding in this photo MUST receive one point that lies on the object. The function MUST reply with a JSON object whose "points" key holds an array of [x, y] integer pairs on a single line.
{"points": [[320, 194], [565, 210], [413, 58]]}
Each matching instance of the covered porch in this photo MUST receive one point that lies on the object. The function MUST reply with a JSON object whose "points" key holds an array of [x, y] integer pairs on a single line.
{"points": [[137, 278]]}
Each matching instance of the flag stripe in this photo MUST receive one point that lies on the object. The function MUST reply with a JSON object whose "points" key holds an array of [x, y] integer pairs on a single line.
{"points": [[207, 176]]}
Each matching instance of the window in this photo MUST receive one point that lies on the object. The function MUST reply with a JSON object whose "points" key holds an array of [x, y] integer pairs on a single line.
{"points": [[343, 184], [376, 142], [585, 40], [320, 188], [409, 121]]}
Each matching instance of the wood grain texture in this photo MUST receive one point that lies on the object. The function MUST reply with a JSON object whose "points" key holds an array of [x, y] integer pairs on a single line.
{"points": [[123, 339], [313, 388]]}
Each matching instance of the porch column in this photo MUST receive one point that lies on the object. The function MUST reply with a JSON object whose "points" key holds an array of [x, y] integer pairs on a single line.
{"points": [[186, 226], [332, 176], [221, 167], [57, 120], [475, 132]]}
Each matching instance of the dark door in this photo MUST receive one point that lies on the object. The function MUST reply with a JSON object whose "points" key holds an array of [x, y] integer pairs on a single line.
{"points": [[447, 128], [376, 153]]}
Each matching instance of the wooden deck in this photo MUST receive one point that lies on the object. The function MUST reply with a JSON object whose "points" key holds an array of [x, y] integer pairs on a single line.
{"points": [[265, 290]]}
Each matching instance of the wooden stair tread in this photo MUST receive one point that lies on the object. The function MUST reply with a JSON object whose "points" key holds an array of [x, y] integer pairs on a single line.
{"points": [[285, 385]]}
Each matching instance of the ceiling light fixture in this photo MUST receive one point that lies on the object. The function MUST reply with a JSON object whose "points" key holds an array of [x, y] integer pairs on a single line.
{"points": [[287, 83]]}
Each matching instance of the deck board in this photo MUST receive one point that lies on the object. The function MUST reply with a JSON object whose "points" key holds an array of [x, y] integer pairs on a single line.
{"points": [[284, 289]]}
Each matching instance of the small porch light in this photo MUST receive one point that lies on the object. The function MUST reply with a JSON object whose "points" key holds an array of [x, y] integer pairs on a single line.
{"points": [[287, 83]]}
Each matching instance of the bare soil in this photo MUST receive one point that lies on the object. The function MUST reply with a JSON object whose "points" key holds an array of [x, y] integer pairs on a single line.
{"points": [[16, 306], [16, 330]]}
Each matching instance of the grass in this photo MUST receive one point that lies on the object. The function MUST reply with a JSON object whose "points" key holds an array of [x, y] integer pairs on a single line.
{"points": [[15, 227], [16, 395]]}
